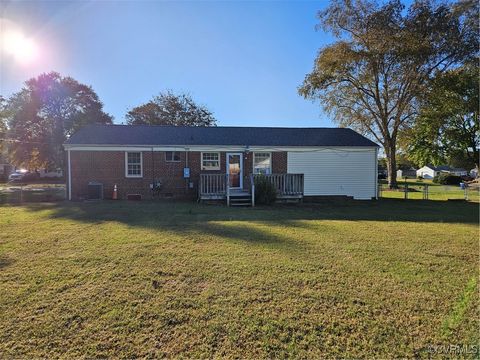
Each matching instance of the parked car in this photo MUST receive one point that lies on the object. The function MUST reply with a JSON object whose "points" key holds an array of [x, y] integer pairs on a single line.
{"points": [[17, 175], [23, 175]]}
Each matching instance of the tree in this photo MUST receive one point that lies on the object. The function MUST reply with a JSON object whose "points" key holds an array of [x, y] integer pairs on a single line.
{"points": [[448, 127], [170, 109], [44, 113], [3, 126], [373, 76]]}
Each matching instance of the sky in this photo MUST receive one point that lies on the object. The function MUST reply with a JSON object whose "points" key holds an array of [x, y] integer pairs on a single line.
{"points": [[243, 60]]}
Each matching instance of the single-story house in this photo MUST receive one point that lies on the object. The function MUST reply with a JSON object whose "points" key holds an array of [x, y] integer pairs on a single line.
{"points": [[430, 171], [218, 162], [53, 173], [459, 172], [404, 173]]}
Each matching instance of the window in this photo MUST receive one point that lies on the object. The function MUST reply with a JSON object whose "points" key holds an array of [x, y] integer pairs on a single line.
{"points": [[172, 156], [262, 163], [210, 161], [133, 164]]}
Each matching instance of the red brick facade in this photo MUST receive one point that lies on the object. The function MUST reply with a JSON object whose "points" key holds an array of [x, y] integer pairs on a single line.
{"points": [[108, 168]]}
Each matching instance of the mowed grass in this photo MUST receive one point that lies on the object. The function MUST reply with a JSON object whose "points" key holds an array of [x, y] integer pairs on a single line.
{"points": [[381, 279], [435, 191]]}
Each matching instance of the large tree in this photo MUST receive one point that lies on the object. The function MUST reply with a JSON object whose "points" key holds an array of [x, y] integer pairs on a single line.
{"points": [[373, 76], [171, 109], [447, 129], [3, 126], [41, 116]]}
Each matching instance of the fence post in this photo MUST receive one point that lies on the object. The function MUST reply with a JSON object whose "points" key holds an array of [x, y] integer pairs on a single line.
{"points": [[406, 191], [465, 191]]}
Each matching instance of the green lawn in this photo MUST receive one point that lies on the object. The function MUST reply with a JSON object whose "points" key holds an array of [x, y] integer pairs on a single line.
{"points": [[32, 192], [435, 191], [381, 279]]}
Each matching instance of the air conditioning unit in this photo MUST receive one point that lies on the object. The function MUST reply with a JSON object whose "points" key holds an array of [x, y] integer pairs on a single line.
{"points": [[95, 190]]}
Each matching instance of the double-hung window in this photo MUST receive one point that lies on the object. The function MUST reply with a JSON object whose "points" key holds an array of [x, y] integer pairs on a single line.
{"points": [[262, 163], [210, 161], [172, 156], [133, 164]]}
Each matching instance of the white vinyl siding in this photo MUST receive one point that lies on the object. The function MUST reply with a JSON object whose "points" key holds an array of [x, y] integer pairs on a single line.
{"points": [[427, 173], [343, 171]]}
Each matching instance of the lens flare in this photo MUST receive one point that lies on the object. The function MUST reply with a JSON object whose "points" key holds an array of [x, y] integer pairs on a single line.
{"points": [[23, 49]]}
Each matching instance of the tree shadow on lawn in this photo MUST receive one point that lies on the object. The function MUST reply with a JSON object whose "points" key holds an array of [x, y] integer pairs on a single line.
{"points": [[5, 261], [184, 214], [260, 226]]}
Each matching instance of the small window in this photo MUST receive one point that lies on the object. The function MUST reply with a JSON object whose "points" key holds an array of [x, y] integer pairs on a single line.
{"points": [[262, 163], [210, 161], [172, 156], [133, 164]]}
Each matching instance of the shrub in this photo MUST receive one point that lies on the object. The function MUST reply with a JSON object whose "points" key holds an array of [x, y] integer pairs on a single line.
{"points": [[265, 192], [420, 177], [447, 179]]}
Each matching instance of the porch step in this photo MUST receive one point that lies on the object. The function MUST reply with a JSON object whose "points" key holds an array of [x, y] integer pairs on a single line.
{"points": [[241, 204], [241, 200]]}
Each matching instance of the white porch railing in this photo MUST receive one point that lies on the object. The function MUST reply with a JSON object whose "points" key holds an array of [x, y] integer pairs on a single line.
{"points": [[286, 184], [252, 184], [213, 184]]}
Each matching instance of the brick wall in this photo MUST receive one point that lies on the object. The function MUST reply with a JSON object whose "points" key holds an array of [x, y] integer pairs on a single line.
{"points": [[108, 168], [279, 162]]}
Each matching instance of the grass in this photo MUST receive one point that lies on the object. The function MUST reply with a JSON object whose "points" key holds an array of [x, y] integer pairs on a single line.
{"points": [[32, 192], [378, 279], [414, 181], [435, 191]]}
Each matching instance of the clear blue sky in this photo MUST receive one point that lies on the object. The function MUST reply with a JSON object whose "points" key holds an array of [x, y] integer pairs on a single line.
{"points": [[243, 60]]}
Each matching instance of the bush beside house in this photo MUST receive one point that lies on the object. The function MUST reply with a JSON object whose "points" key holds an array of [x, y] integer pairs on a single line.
{"points": [[265, 192]]}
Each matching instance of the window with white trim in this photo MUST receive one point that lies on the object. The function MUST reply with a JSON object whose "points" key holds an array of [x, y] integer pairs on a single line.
{"points": [[133, 164], [172, 156], [262, 163], [210, 161]]}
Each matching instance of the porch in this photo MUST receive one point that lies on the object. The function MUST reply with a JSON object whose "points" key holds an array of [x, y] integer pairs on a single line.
{"points": [[215, 187]]}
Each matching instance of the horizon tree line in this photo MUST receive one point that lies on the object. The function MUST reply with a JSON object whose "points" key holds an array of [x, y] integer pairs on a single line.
{"points": [[405, 77]]}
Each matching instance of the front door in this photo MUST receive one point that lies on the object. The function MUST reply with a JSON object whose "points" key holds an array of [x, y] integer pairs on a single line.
{"points": [[235, 170]]}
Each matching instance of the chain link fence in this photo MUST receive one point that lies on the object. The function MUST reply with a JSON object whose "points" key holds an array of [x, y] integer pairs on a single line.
{"points": [[16, 193], [416, 191]]}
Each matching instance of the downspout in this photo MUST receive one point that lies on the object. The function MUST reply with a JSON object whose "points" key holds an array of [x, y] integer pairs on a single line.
{"points": [[376, 173], [187, 180], [153, 176], [69, 176]]}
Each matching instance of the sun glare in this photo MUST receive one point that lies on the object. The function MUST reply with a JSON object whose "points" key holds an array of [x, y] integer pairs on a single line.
{"points": [[23, 49]]}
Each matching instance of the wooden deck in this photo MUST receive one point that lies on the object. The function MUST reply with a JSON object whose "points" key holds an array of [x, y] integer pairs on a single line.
{"points": [[214, 187]]}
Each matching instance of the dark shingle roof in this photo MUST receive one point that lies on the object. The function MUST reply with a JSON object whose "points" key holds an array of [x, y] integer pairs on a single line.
{"points": [[439, 167], [222, 136]]}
